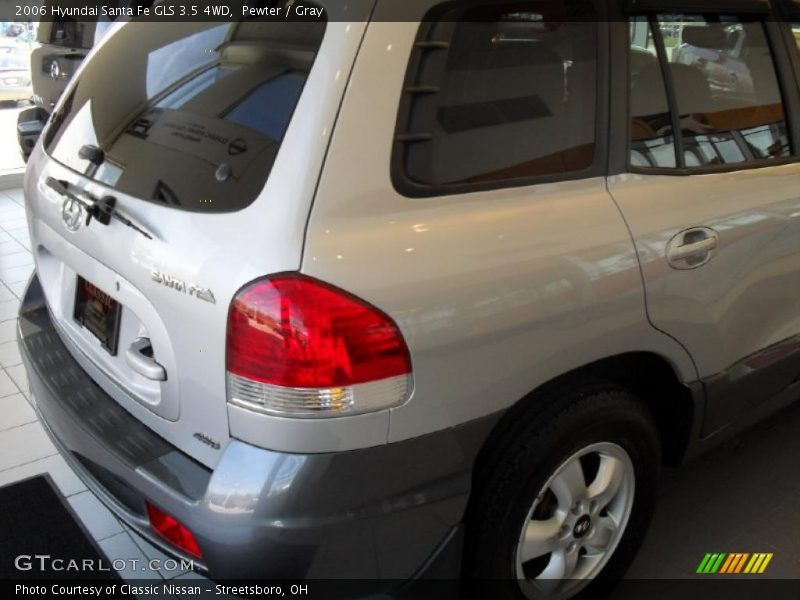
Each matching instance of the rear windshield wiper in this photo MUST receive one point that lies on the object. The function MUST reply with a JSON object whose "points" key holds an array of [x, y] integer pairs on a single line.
{"points": [[101, 210]]}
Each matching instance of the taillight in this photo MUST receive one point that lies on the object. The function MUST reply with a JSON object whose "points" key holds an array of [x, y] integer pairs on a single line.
{"points": [[299, 347], [173, 531]]}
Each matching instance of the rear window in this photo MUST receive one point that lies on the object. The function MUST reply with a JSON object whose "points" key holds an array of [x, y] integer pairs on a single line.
{"points": [[189, 115]]}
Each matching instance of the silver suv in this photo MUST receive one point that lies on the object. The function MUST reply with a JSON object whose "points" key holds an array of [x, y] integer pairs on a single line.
{"points": [[430, 292]]}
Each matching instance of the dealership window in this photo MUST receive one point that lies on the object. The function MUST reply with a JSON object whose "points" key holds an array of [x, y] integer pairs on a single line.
{"points": [[17, 42], [500, 92], [727, 100]]}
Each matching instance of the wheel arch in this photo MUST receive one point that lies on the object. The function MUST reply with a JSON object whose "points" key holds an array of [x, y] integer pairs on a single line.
{"points": [[648, 375]]}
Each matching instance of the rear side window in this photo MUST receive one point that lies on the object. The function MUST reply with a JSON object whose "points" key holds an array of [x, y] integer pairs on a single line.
{"points": [[190, 115], [726, 101], [499, 94]]}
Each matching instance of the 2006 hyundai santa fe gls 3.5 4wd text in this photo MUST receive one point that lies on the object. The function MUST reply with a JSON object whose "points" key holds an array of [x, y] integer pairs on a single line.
{"points": [[382, 298]]}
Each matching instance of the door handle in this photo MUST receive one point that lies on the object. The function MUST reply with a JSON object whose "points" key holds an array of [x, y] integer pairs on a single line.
{"points": [[692, 248], [139, 357]]}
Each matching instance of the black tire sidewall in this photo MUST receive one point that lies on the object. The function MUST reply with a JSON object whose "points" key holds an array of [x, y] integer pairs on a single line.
{"points": [[597, 415]]}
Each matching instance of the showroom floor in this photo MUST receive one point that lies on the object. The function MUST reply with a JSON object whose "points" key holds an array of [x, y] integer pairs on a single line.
{"points": [[740, 498], [10, 157]]}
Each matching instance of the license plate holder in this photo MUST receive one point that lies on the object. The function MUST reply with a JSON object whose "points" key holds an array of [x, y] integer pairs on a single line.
{"points": [[99, 313]]}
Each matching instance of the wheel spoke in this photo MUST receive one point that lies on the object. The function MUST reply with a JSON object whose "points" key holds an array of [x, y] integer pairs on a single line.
{"points": [[561, 566], [569, 485], [540, 538], [605, 486], [605, 530]]}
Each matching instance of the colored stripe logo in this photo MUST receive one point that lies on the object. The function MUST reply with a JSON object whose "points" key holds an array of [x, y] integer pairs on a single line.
{"points": [[734, 563]]}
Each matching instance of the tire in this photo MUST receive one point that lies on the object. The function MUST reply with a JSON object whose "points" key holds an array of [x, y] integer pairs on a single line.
{"points": [[531, 481]]}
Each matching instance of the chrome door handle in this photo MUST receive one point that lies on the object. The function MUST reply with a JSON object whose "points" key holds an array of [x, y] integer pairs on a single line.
{"points": [[692, 248], [144, 365]]}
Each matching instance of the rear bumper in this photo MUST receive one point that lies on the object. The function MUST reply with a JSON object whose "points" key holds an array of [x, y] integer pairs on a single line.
{"points": [[389, 512]]}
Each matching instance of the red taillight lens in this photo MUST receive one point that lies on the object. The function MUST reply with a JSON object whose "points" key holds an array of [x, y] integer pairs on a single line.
{"points": [[293, 331], [173, 531], [299, 347]]}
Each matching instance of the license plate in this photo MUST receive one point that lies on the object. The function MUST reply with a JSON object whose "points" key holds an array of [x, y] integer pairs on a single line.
{"points": [[99, 313]]}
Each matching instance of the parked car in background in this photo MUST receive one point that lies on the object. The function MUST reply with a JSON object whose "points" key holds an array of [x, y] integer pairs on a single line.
{"points": [[15, 79], [12, 46], [15, 29], [60, 47]]}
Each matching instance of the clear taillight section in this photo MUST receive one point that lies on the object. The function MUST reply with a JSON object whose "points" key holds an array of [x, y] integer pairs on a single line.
{"points": [[299, 347]]}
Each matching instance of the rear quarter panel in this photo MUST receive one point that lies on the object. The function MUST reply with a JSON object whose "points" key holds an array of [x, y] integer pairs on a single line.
{"points": [[495, 292]]}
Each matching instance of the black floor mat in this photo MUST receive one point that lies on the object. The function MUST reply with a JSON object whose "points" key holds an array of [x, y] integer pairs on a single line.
{"points": [[35, 519]]}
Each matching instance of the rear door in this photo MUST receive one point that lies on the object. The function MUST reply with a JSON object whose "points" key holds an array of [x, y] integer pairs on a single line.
{"points": [[191, 129], [715, 210]]}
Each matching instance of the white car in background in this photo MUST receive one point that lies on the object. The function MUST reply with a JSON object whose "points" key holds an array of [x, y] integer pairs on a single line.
{"points": [[15, 74]]}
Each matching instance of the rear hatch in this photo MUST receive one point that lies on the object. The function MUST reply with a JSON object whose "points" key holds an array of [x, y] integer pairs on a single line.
{"points": [[209, 137]]}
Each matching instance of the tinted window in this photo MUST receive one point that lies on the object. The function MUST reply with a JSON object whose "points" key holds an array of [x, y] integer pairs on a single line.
{"points": [[511, 95], [725, 86], [187, 114]]}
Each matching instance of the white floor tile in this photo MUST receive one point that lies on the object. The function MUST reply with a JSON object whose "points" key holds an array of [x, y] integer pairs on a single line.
{"points": [[15, 222], [8, 329], [153, 553], [24, 444], [6, 203], [120, 548], [15, 274], [18, 259], [7, 385], [64, 477], [15, 411], [9, 354], [16, 195], [10, 210], [19, 233], [18, 288], [9, 309], [19, 376], [95, 516], [11, 247]]}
